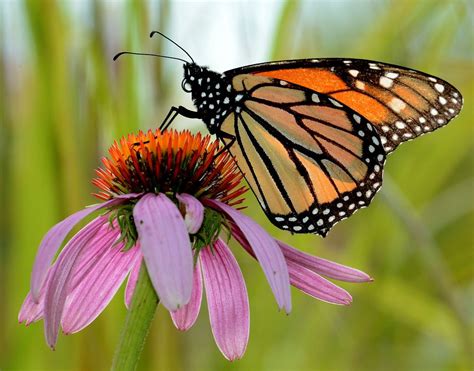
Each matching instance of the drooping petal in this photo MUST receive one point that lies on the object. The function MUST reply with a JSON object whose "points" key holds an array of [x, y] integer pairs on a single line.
{"points": [[322, 266], [55, 237], [96, 248], [32, 311], [61, 277], [304, 279], [267, 252], [316, 286], [227, 300], [185, 317], [132, 281], [106, 236], [98, 287], [194, 212], [166, 249]]}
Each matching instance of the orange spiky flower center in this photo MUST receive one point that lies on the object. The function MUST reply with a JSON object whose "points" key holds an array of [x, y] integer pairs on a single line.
{"points": [[170, 162]]}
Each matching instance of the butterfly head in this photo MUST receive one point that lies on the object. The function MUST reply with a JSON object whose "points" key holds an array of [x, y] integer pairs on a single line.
{"points": [[191, 73], [211, 92]]}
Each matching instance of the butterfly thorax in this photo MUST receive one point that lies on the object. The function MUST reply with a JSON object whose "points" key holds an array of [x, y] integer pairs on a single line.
{"points": [[211, 92]]}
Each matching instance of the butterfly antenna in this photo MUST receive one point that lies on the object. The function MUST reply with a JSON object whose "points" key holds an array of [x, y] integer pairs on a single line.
{"points": [[150, 55], [175, 43]]}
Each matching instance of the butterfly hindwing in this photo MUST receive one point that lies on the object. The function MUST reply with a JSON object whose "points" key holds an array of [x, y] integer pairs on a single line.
{"points": [[401, 103], [310, 160]]}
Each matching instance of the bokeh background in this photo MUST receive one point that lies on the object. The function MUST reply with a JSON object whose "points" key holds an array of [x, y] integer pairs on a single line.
{"points": [[63, 100]]}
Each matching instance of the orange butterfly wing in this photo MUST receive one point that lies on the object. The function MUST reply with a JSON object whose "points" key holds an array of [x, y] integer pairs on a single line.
{"points": [[401, 103], [310, 160]]}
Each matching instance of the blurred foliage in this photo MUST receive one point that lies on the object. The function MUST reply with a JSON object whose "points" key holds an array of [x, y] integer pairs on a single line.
{"points": [[64, 101]]}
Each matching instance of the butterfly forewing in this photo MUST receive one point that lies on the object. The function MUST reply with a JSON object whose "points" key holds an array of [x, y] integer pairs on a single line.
{"points": [[400, 103], [310, 160]]}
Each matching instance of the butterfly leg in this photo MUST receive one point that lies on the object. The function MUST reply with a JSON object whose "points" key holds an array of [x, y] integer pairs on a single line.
{"points": [[175, 111], [222, 135]]}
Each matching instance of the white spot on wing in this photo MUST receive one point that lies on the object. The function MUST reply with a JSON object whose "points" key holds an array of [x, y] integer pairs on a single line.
{"points": [[439, 87], [400, 125], [392, 75], [354, 72], [360, 85], [385, 82], [335, 102], [397, 104], [315, 98]]}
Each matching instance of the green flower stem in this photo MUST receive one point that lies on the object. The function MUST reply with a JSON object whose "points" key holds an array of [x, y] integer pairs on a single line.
{"points": [[137, 324]]}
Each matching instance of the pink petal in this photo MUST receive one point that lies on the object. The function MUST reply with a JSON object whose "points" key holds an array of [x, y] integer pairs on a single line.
{"points": [[166, 248], [194, 212], [59, 287], [267, 252], [323, 266], [32, 311], [185, 317], [55, 237], [132, 282], [98, 286], [227, 300], [316, 286], [96, 248], [306, 280]]}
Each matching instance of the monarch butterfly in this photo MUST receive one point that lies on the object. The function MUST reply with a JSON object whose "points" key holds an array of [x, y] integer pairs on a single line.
{"points": [[311, 135]]}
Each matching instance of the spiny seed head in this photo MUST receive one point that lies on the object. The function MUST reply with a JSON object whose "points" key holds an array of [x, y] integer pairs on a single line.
{"points": [[170, 162]]}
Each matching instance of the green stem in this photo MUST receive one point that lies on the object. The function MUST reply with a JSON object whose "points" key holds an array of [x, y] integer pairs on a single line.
{"points": [[137, 324]]}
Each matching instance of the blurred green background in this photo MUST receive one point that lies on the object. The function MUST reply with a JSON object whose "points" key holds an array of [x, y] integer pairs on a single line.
{"points": [[63, 101]]}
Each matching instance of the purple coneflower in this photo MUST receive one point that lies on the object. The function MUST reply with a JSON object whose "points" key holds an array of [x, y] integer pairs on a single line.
{"points": [[168, 200]]}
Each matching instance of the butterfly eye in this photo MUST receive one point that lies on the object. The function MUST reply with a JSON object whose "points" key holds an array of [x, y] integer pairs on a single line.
{"points": [[186, 86]]}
